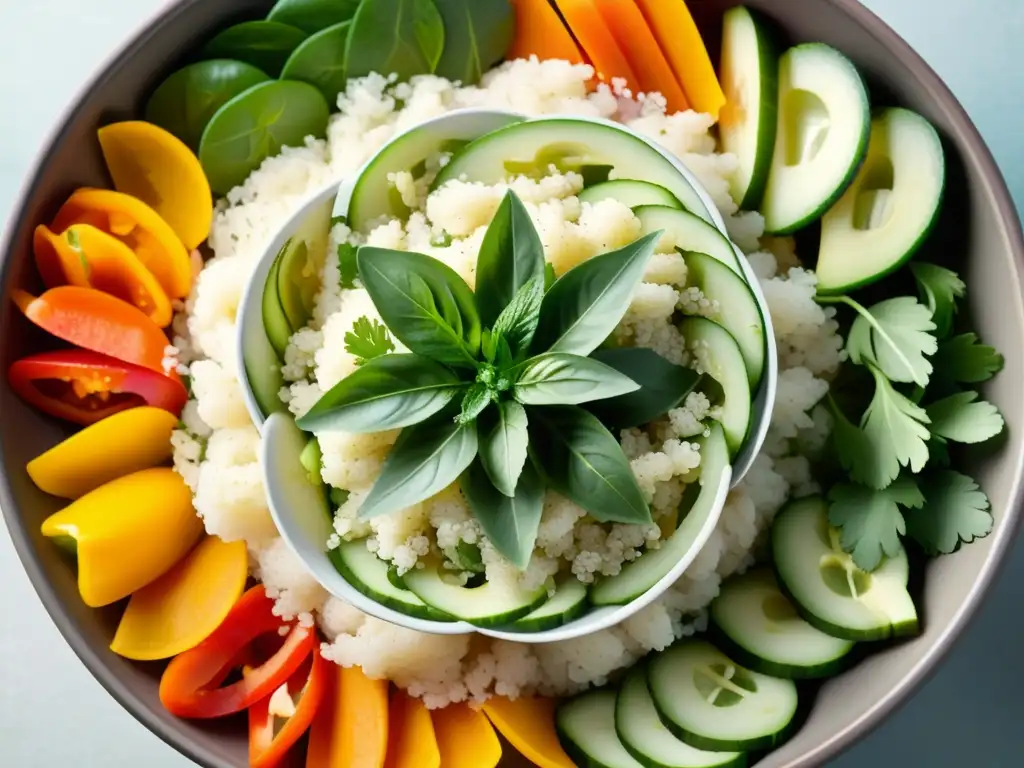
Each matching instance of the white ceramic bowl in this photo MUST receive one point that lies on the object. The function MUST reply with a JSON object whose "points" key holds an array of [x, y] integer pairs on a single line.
{"points": [[307, 533]]}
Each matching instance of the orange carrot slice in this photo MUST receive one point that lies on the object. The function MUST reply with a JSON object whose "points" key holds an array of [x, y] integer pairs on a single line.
{"points": [[681, 43], [465, 738], [634, 37], [540, 33], [597, 41]]}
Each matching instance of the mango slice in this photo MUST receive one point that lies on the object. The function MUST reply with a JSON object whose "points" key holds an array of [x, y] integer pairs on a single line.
{"points": [[411, 740], [465, 738], [158, 168], [127, 533], [181, 608], [529, 726]]}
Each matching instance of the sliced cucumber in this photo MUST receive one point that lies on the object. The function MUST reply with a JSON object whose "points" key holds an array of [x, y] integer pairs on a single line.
{"points": [[369, 574], [647, 739], [567, 604], [737, 309], [489, 605], [828, 590], [750, 79], [373, 199], [630, 193], [823, 125], [890, 208], [263, 370], [711, 702], [586, 729], [570, 144], [275, 321], [302, 264], [687, 232], [652, 566], [716, 353], [765, 633]]}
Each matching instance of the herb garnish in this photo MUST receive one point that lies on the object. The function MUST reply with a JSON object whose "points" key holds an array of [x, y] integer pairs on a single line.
{"points": [[490, 392]]}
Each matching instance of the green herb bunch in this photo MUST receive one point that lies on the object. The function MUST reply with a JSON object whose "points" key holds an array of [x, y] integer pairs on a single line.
{"points": [[506, 390], [897, 455]]}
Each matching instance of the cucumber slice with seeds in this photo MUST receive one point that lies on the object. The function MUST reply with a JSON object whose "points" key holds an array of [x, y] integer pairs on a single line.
{"points": [[687, 232], [827, 589], [765, 633], [489, 605], [630, 193], [646, 738], [710, 702]]}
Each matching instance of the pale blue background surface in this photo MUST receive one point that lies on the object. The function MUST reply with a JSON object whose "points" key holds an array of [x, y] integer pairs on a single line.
{"points": [[52, 713]]}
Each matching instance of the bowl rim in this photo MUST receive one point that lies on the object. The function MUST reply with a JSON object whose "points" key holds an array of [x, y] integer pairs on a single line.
{"points": [[898, 695]]}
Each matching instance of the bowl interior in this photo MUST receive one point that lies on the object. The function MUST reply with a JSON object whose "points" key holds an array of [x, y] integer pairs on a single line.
{"points": [[979, 229]]}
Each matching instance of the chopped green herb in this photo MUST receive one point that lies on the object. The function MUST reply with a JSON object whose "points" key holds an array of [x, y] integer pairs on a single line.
{"points": [[940, 288], [368, 339], [962, 418], [870, 520], [963, 359], [955, 512], [348, 269]]}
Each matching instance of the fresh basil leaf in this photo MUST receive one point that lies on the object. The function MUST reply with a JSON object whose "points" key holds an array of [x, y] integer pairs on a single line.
{"points": [[584, 462], [509, 522], [549, 276], [477, 398], [399, 37], [489, 345], [511, 255], [504, 359], [560, 379], [518, 321], [477, 35], [427, 458], [662, 387], [504, 440], [424, 303], [585, 304], [348, 268], [387, 392]]}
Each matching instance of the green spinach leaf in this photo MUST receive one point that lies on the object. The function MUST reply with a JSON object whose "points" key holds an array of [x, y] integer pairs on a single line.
{"points": [[560, 379], [584, 462], [424, 303], [510, 257], [663, 386], [585, 304], [387, 392], [509, 522], [395, 37], [311, 16], [320, 61], [504, 440], [427, 458], [477, 35], [264, 44]]}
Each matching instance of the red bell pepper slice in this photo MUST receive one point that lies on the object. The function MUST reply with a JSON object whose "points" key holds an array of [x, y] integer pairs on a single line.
{"points": [[85, 387], [270, 737], [99, 322], [191, 684]]}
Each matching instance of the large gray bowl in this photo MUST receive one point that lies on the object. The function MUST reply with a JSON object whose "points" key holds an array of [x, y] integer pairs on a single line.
{"points": [[980, 229]]}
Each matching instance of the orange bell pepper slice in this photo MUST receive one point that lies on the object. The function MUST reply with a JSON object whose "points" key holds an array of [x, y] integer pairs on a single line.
{"points": [[529, 726], [541, 33], [136, 225], [191, 684], [411, 739], [465, 738], [351, 728], [98, 322], [85, 387], [272, 736], [90, 258]]}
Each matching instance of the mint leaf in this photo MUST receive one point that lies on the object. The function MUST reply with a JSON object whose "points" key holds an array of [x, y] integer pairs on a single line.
{"points": [[556, 378], [368, 339], [511, 256], [662, 387], [504, 441], [426, 459], [963, 359], [896, 336], [585, 304], [510, 522], [939, 288], [476, 400], [955, 512], [963, 418], [348, 269], [895, 429], [518, 321], [584, 462], [388, 392], [870, 520]]}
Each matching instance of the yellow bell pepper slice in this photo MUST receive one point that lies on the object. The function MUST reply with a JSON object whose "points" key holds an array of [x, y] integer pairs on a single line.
{"points": [[350, 730], [136, 225], [529, 726], [128, 533], [180, 609], [126, 442], [465, 738], [150, 163], [411, 740]]}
